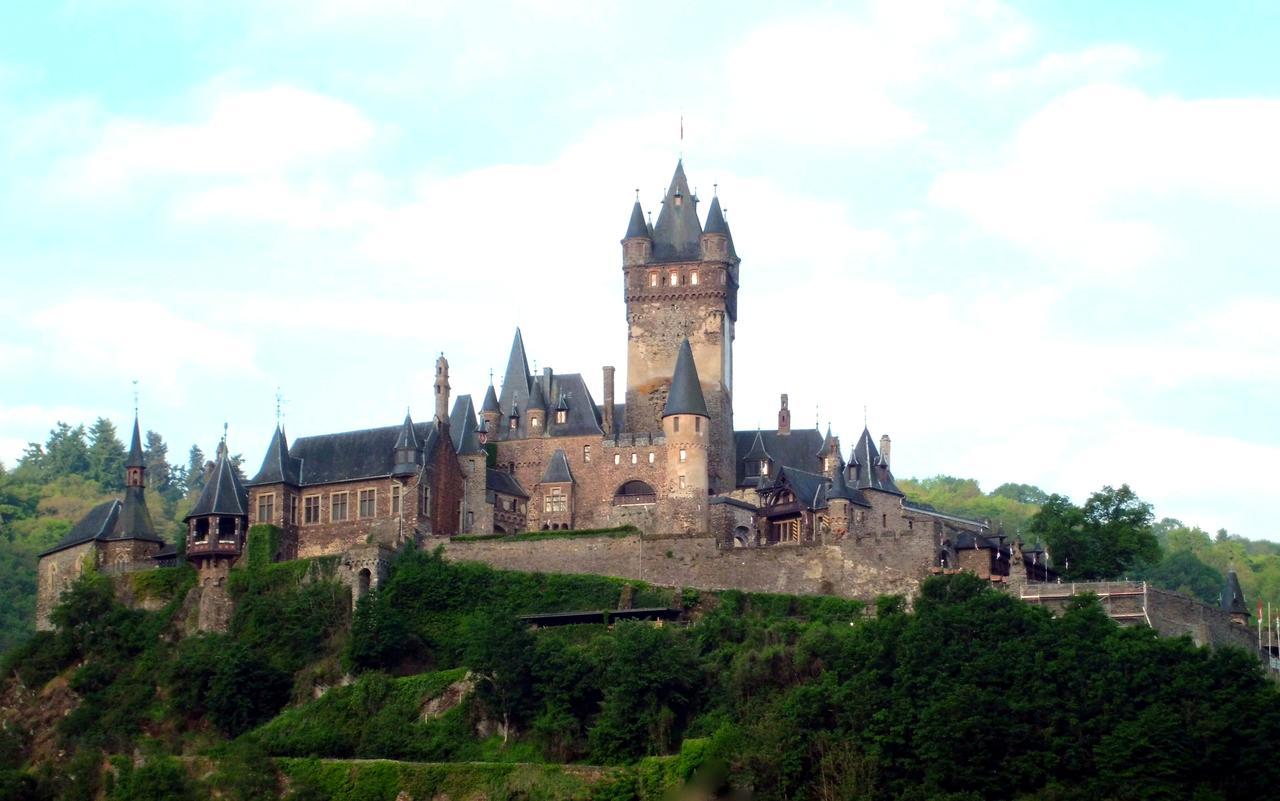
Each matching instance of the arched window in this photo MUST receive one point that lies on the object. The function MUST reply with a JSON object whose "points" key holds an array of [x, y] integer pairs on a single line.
{"points": [[634, 492], [741, 537], [363, 579]]}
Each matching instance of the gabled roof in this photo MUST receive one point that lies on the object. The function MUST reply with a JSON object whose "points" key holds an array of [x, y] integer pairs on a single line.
{"points": [[685, 395], [757, 452], [463, 426], [797, 449], [504, 482], [870, 470], [557, 469], [810, 489], [345, 456], [278, 466], [116, 519], [136, 456], [582, 416], [676, 234], [223, 494], [1233, 596], [637, 227]]}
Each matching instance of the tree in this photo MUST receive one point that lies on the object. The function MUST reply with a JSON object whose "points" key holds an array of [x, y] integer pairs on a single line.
{"points": [[1060, 525], [499, 652], [106, 455], [195, 469], [1107, 538], [155, 453], [66, 453], [1022, 493], [1185, 572]]}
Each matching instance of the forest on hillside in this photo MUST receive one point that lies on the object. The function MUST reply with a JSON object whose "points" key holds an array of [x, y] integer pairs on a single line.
{"points": [[1113, 533], [971, 695]]}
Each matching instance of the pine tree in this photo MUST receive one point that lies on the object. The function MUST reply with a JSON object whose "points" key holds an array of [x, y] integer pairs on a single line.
{"points": [[155, 453], [195, 469], [106, 455], [66, 452]]}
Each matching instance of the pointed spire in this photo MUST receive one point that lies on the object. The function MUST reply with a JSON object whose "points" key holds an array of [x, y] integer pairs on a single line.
{"points": [[637, 226], [515, 381], [1233, 596], [557, 471], [408, 437], [278, 466], [537, 398], [839, 485], [223, 493], [685, 395], [490, 400], [872, 470], [136, 457], [715, 219], [676, 235]]}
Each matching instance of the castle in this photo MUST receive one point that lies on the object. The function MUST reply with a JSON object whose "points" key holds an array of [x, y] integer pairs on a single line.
{"points": [[777, 510]]}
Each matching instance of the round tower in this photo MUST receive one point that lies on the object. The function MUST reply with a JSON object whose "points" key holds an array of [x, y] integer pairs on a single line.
{"points": [[686, 427]]}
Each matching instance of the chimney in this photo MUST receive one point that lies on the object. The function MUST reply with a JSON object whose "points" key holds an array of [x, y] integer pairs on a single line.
{"points": [[784, 417], [546, 385], [884, 448], [608, 402], [442, 389]]}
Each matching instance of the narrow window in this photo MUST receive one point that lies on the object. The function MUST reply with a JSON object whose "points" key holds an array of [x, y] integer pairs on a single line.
{"points": [[697, 425], [534, 422], [338, 507], [561, 416], [586, 453], [396, 489], [910, 525], [693, 278], [293, 508], [634, 459], [426, 500], [311, 509], [266, 507], [514, 423], [617, 458], [675, 278], [651, 457], [653, 279], [675, 423], [764, 467], [682, 481], [368, 502], [684, 455], [884, 521]]}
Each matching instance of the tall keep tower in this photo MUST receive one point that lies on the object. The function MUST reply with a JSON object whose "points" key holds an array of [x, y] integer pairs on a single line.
{"points": [[681, 282]]}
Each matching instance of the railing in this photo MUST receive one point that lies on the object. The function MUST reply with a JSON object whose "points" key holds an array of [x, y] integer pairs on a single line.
{"points": [[213, 547]]}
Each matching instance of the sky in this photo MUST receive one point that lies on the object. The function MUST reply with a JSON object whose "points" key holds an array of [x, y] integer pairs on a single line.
{"points": [[1031, 242]]}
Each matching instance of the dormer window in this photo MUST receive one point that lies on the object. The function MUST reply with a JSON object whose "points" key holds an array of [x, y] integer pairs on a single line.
{"points": [[534, 422], [764, 467], [561, 416], [515, 423]]}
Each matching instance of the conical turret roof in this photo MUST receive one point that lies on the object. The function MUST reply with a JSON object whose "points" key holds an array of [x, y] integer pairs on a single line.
{"points": [[685, 396], [515, 381], [278, 466], [637, 227], [871, 470], [839, 486], [408, 438], [676, 234], [136, 456], [1233, 596], [715, 219], [490, 401], [223, 494], [537, 398]]}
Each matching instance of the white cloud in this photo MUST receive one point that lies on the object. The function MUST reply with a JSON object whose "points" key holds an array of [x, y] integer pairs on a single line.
{"points": [[1071, 178], [1092, 64], [242, 133]]}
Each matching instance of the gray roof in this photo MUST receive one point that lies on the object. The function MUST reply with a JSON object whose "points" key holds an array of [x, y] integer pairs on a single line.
{"points": [[463, 426], [685, 395], [516, 380], [136, 457], [582, 416], [115, 519], [797, 449], [537, 397], [503, 482], [717, 224], [637, 226], [676, 236], [408, 438], [345, 456], [840, 487], [490, 401], [278, 466], [557, 469], [810, 489], [223, 494], [870, 471], [1233, 596]]}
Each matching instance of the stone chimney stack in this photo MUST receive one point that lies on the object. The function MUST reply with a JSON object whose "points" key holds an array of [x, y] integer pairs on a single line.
{"points": [[784, 417], [608, 402], [884, 447], [442, 389]]}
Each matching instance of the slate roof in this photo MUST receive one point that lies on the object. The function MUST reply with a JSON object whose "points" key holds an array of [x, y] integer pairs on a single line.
{"points": [[840, 489], [408, 439], [557, 469], [1233, 596], [136, 456], [717, 224], [463, 426], [223, 494], [504, 482], [516, 380], [685, 395], [637, 226], [810, 488], [537, 397], [582, 416], [490, 403], [278, 466], [925, 508], [112, 520], [345, 456], [870, 470], [676, 234], [796, 449]]}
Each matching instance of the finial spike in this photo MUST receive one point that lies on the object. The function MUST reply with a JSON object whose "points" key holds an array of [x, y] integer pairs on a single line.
{"points": [[279, 399], [637, 194], [864, 415], [224, 432], [715, 190], [135, 397]]}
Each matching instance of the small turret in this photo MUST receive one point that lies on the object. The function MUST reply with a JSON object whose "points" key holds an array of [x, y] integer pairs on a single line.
{"points": [[884, 448], [537, 411], [607, 410], [442, 390], [136, 464], [677, 233], [637, 244], [1233, 600], [686, 427], [408, 450], [839, 497], [784, 417], [717, 243], [217, 524], [490, 411]]}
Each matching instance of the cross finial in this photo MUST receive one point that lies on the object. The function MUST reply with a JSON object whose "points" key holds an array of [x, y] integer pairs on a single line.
{"points": [[224, 432], [279, 399], [490, 376], [715, 190], [864, 415], [135, 397], [637, 194]]}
